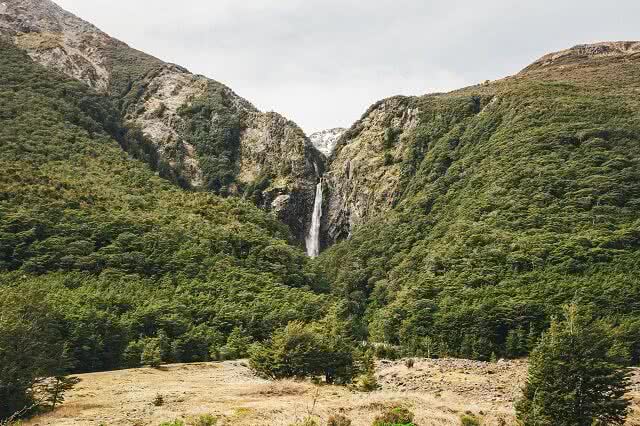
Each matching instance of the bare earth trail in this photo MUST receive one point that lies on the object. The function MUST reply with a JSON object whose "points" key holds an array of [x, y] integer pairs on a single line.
{"points": [[437, 391]]}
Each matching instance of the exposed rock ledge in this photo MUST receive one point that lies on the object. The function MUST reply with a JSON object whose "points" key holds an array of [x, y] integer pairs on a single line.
{"points": [[584, 52]]}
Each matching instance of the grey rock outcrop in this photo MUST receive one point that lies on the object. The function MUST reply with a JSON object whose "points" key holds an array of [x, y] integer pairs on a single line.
{"points": [[363, 176], [586, 52]]}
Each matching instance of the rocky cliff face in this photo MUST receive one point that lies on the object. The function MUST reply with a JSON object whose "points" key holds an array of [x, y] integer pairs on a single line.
{"points": [[260, 152], [58, 40], [363, 176], [153, 106], [279, 160]]}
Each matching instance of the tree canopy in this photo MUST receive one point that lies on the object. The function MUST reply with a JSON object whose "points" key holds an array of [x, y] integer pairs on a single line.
{"points": [[515, 198], [576, 376]]}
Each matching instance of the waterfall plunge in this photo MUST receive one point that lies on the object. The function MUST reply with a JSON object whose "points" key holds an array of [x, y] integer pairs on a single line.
{"points": [[313, 237]]}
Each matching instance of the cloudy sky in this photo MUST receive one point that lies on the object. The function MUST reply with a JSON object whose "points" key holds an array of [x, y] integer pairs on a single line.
{"points": [[322, 63]]}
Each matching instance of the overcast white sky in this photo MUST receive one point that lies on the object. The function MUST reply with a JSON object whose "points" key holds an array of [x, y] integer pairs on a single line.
{"points": [[322, 63]]}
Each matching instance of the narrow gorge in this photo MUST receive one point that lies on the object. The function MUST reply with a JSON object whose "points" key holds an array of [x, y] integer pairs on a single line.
{"points": [[201, 135]]}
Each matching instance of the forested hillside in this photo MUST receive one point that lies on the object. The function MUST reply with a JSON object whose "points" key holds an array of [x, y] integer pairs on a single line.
{"points": [[475, 215], [100, 259], [199, 133]]}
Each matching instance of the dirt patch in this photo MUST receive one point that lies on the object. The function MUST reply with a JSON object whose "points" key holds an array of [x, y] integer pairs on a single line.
{"points": [[437, 391], [472, 380]]}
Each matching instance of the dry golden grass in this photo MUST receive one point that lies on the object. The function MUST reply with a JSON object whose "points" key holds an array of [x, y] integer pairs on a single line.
{"points": [[232, 393], [39, 40]]}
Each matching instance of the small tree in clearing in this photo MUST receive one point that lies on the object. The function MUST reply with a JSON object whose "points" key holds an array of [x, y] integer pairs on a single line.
{"points": [[304, 350], [151, 353], [575, 377]]}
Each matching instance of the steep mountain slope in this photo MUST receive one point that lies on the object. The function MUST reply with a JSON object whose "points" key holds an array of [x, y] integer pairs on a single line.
{"points": [[375, 160], [362, 178], [475, 214], [123, 259], [203, 135]]}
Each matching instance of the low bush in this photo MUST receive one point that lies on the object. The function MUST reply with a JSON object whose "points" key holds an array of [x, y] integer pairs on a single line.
{"points": [[469, 420], [158, 401], [385, 351], [151, 354], [308, 421], [366, 382], [304, 350], [205, 420], [398, 416], [338, 420], [173, 423]]}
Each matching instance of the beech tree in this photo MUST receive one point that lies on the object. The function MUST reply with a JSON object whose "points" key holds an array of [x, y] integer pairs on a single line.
{"points": [[576, 376], [30, 350], [304, 350]]}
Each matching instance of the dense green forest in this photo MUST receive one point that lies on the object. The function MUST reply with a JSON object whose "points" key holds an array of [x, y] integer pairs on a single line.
{"points": [[106, 259], [518, 196]]}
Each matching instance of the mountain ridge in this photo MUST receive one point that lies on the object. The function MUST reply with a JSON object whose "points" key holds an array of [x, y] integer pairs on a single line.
{"points": [[242, 156], [463, 221], [587, 51], [370, 144]]}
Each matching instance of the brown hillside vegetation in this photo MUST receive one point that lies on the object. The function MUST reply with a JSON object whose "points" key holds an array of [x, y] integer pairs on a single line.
{"points": [[437, 391]]}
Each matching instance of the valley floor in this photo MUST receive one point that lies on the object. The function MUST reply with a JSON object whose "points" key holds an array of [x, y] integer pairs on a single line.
{"points": [[437, 391]]}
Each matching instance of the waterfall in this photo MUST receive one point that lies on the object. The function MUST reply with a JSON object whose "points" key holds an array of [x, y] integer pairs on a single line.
{"points": [[313, 237]]}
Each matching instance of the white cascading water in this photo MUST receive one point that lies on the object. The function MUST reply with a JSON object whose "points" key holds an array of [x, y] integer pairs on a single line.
{"points": [[313, 237]]}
